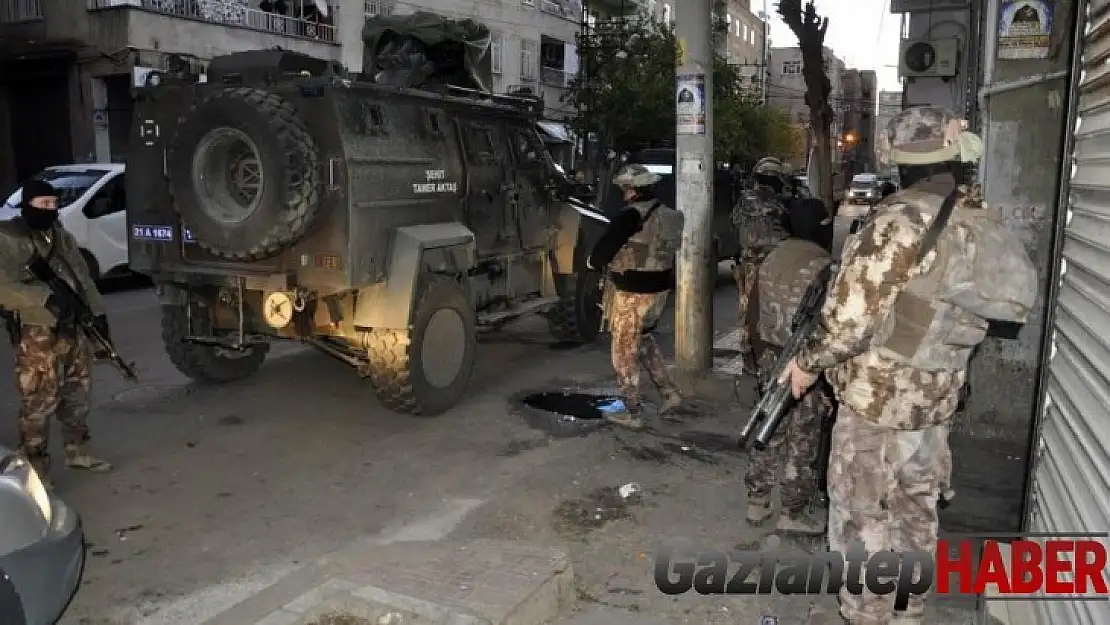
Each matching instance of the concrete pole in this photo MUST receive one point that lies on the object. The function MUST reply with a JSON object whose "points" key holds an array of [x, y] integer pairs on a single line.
{"points": [[764, 61], [694, 192]]}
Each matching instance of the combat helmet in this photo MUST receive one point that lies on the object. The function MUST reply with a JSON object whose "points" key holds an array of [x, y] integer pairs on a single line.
{"points": [[634, 176], [768, 166], [924, 135]]}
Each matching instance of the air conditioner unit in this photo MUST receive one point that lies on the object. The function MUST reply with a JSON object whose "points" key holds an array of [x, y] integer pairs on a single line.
{"points": [[938, 58]]}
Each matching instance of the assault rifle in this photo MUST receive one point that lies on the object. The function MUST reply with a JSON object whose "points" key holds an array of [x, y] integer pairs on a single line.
{"points": [[776, 396], [86, 320]]}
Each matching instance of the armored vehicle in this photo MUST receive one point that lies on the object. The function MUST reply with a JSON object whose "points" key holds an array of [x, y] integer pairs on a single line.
{"points": [[384, 218]]}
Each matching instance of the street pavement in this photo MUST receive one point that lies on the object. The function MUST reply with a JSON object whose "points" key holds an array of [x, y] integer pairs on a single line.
{"points": [[223, 491]]}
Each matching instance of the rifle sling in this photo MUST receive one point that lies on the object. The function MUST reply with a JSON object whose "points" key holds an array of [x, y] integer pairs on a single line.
{"points": [[932, 235]]}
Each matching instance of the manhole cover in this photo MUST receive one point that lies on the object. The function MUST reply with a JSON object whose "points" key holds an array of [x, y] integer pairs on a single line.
{"points": [[143, 393]]}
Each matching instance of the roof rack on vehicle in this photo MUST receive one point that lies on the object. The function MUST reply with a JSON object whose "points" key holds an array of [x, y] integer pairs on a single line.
{"points": [[523, 101]]}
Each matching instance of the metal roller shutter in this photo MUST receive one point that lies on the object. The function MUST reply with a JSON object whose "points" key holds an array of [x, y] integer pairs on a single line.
{"points": [[1070, 490]]}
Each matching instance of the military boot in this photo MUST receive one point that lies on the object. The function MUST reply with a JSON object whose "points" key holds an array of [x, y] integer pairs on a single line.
{"points": [[759, 509], [626, 418], [799, 522], [672, 399], [78, 458]]}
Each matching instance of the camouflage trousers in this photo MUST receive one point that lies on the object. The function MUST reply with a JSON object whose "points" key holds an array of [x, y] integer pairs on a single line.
{"points": [[883, 491], [745, 272], [54, 378], [787, 462], [632, 318]]}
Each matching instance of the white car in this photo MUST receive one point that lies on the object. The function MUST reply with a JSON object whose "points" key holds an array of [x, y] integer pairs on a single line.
{"points": [[92, 201]]}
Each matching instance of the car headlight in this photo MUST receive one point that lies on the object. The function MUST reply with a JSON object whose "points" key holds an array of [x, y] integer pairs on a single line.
{"points": [[18, 469]]}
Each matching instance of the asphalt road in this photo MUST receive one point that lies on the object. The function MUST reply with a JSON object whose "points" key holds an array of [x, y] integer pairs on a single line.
{"points": [[219, 490]]}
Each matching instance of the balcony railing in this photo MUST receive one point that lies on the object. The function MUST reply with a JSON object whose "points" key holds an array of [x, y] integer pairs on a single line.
{"points": [[554, 77], [227, 12], [17, 11]]}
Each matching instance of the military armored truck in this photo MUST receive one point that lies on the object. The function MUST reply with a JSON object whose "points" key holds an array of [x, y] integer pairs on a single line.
{"points": [[383, 222]]}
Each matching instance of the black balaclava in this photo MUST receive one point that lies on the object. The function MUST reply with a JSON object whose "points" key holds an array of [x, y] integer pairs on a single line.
{"points": [[37, 218], [771, 181], [810, 221]]}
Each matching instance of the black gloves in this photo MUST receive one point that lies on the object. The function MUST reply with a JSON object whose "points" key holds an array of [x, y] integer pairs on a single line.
{"points": [[100, 322]]}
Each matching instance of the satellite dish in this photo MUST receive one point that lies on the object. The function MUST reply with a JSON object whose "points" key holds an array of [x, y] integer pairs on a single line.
{"points": [[920, 57]]}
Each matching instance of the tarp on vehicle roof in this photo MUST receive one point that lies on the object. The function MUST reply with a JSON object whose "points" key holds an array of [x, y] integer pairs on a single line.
{"points": [[426, 50]]}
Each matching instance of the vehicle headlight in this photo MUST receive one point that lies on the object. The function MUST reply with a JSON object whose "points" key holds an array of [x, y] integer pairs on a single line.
{"points": [[18, 469]]}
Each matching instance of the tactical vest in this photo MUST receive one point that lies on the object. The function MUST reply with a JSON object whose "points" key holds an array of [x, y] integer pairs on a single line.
{"points": [[981, 271], [784, 276], [758, 221], [653, 248]]}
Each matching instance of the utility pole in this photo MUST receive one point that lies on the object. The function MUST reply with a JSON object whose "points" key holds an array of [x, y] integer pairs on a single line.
{"points": [[694, 188]]}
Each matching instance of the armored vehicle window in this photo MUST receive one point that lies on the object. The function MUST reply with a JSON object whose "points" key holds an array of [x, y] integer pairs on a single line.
{"points": [[526, 149], [480, 144]]}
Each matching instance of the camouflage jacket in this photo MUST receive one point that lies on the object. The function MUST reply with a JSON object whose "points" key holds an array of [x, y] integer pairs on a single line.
{"points": [[758, 220], [23, 294], [876, 264], [784, 276]]}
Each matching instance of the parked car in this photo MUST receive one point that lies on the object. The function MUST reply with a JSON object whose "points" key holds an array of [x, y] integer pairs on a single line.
{"points": [[864, 189], [91, 199], [42, 547]]}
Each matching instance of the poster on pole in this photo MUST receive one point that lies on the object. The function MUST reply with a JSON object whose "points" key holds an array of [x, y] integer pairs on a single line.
{"points": [[1025, 29], [690, 104]]}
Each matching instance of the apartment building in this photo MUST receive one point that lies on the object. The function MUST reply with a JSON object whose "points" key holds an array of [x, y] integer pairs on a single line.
{"points": [[743, 47], [67, 66], [857, 110], [533, 41], [786, 89], [890, 104]]}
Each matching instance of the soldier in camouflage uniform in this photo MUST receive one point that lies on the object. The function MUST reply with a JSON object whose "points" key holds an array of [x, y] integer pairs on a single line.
{"points": [[782, 280], [53, 364], [759, 221], [638, 250], [890, 458]]}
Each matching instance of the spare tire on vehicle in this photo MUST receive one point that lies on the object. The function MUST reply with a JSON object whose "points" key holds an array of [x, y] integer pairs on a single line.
{"points": [[253, 182]]}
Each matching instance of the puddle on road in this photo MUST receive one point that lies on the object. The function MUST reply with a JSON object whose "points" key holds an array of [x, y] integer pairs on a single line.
{"points": [[577, 405], [575, 518]]}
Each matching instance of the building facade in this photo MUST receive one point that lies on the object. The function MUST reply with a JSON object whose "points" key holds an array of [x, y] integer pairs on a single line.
{"points": [[743, 47], [786, 89], [533, 41], [857, 110], [67, 67], [890, 103]]}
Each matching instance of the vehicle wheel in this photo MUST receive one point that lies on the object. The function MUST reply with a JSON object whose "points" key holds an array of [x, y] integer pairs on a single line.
{"points": [[253, 183], [425, 370], [204, 363], [90, 260], [577, 319]]}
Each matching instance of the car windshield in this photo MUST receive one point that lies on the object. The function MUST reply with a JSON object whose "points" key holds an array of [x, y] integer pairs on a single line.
{"points": [[70, 184], [863, 182]]}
